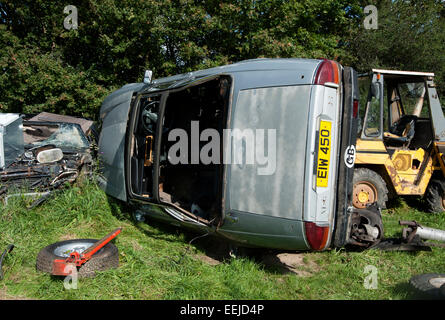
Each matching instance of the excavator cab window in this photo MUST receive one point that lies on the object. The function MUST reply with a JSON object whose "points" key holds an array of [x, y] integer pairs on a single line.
{"points": [[373, 117], [412, 96], [405, 105], [364, 82]]}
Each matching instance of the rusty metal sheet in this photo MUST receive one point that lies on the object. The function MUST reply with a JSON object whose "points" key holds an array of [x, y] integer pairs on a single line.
{"points": [[51, 117]]}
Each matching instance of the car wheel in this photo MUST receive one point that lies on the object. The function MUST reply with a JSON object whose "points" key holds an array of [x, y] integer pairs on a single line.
{"points": [[431, 285], [435, 196], [105, 258], [367, 227], [369, 187]]}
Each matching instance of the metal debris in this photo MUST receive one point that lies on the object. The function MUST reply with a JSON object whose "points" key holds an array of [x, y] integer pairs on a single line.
{"points": [[413, 237], [54, 154]]}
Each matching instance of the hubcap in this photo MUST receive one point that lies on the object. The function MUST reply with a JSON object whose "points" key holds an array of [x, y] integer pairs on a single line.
{"points": [[364, 193], [363, 197], [437, 282], [78, 246]]}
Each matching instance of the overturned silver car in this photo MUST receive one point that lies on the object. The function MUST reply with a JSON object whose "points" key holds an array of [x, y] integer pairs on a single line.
{"points": [[259, 152]]}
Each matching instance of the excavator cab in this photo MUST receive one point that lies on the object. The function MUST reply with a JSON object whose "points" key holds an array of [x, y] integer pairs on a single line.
{"points": [[399, 146]]}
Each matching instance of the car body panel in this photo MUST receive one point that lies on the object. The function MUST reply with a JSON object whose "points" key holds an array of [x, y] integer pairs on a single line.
{"points": [[114, 114], [252, 188], [249, 74], [347, 154], [264, 231]]}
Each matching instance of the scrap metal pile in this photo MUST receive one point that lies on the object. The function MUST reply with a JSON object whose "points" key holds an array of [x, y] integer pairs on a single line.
{"points": [[40, 154]]}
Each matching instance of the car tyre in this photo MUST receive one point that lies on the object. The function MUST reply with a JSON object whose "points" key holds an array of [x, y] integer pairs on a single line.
{"points": [[431, 285], [104, 259]]}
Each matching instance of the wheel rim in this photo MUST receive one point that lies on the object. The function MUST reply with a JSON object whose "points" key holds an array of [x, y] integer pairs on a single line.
{"points": [[80, 246], [364, 192], [437, 282]]}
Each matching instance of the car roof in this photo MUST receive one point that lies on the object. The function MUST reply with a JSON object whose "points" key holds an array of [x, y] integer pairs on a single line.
{"points": [[281, 66], [261, 64]]}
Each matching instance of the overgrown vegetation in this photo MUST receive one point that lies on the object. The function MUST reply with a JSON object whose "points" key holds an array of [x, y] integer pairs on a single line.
{"points": [[410, 36], [156, 261], [44, 67]]}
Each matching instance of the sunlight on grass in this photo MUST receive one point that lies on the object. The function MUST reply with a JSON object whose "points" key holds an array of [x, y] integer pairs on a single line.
{"points": [[156, 261]]}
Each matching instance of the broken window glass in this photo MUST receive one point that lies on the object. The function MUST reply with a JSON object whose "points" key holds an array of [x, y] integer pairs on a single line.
{"points": [[62, 135]]}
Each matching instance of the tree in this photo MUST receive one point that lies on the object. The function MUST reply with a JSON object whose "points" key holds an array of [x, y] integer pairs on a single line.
{"points": [[410, 36], [33, 81], [70, 71]]}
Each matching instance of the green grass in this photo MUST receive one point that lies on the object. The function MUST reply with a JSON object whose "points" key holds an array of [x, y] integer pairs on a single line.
{"points": [[156, 261]]}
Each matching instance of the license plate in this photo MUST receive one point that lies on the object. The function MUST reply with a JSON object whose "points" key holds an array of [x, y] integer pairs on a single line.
{"points": [[324, 152]]}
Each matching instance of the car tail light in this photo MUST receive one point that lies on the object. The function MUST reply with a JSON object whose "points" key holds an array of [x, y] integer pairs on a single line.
{"points": [[355, 109], [316, 236], [327, 72]]}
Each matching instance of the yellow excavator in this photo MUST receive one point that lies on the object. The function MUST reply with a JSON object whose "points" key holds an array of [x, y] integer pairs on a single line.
{"points": [[401, 139]]}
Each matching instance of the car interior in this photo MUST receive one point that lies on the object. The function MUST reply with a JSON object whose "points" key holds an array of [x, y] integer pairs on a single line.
{"points": [[185, 180]]}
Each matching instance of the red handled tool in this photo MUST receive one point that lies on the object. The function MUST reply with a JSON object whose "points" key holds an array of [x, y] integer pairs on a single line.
{"points": [[63, 267]]}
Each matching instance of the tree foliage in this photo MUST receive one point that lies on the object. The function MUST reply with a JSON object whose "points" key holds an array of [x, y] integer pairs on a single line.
{"points": [[34, 80], [46, 67], [410, 36]]}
